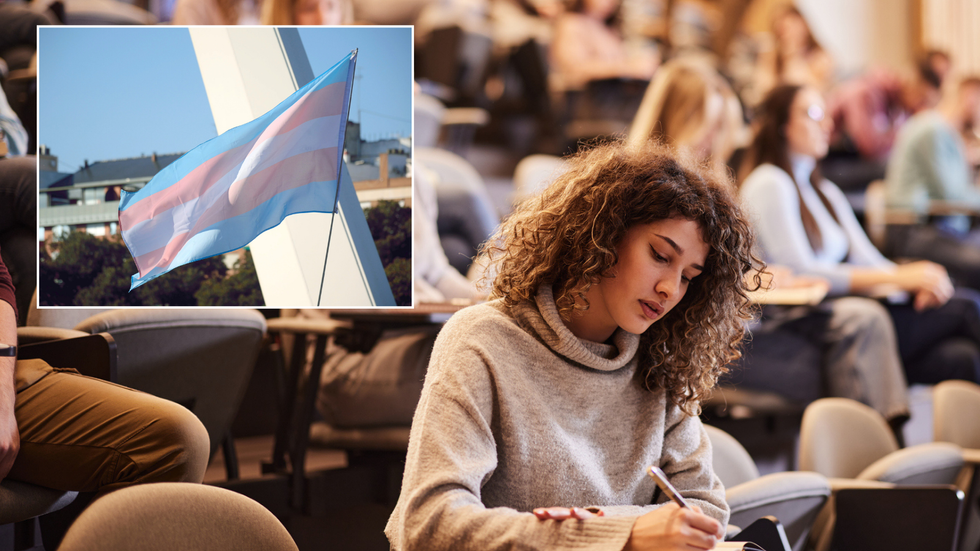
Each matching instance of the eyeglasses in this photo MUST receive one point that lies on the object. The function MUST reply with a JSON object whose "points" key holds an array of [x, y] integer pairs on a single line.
{"points": [[816, 113]]}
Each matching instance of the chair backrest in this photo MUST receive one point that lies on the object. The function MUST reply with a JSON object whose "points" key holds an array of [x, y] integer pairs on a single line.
{"points": [[199, 358], [428, 120], [462, 194], [731, 461], [955, 411], [839, 437], [172, 515]]}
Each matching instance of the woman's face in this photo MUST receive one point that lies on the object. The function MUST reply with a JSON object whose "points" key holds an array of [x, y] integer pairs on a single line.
{"points": [[808, 129], [657, 262], [601, 9], [791, 32], [318, 12]]}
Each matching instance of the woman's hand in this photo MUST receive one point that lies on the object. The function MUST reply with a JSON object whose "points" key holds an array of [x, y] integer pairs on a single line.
{"points": [[671, 527], [928, 280]]}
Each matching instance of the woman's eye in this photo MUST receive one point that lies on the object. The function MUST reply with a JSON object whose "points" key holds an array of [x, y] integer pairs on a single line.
{"points": [[658, 256]]}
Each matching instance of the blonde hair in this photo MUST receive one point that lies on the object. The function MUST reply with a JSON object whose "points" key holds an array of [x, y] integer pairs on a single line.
{"points": [[676, 104], [280, 12]]}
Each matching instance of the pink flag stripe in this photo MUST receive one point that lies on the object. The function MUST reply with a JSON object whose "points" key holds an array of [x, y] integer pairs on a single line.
{"points": [[294, 172], [140, 234], [325, 101]]}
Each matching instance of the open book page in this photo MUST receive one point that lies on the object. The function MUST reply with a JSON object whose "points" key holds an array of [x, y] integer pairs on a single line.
{"points": [[746, 545], [806, 294]]}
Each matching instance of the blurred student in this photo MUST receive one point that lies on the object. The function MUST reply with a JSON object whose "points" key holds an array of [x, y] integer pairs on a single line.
{"points": [[69, 432], [930, 163], [307, 12], [690, 107], [217, 12], [587, 46], [868, 111], [805, 222], [796, 56], [619, 299]]}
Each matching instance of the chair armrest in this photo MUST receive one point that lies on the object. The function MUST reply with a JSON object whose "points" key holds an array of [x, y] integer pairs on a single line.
{"points": [[837, 484], [307, 326], [947, 208], [33, 335], [92, 355], [932, 463], [971, 456]]}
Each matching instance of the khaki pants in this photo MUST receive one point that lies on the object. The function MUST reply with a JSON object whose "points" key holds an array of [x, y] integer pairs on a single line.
{"points": [[86, 434]]}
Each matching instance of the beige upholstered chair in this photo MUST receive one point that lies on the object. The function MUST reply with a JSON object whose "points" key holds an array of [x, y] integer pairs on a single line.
{"points": [[956, 419], [851, 444], [794, 498], [170, 515], [842, 438]]}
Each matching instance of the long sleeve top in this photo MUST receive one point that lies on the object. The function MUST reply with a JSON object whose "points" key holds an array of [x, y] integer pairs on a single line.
{"points": [[518, 413], [7, 288], [929, 163], [770, 197]]}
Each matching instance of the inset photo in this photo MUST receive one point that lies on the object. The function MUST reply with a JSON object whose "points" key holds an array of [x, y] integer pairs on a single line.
{"points": [[225, 166]]}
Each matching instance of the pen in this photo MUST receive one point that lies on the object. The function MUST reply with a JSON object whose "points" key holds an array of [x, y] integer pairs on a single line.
{"points": [[658, 474]]}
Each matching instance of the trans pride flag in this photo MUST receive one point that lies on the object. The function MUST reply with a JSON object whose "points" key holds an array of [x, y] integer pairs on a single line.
{"points": [[222, 194]]}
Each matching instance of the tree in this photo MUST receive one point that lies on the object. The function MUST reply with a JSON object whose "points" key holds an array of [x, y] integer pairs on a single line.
{"points": [[391, 228], [239, 289], [86, 270], [399, 275]]}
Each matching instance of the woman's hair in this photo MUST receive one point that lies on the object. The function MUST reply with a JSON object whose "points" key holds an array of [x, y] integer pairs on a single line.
{"points": [[578, 6], [675, 107], [282, 12], [770, 145], [567, 236], [789, 10]]}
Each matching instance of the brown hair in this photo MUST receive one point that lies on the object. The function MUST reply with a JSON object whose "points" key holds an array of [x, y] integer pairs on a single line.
{"points": [[769, 145], [567, 236], [811, 41]]}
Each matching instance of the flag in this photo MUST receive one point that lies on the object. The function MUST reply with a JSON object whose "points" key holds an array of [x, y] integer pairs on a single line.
{"points": [[222, 194]]}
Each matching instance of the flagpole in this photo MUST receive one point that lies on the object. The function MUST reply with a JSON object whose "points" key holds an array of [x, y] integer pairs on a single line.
{"points": [[336, 198]]}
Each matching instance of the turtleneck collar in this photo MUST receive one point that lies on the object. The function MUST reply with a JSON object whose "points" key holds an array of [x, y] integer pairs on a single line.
{"points": [[542, 319], [803, 166]]}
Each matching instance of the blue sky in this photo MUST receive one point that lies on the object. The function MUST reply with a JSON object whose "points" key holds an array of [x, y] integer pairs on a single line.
{"points": [[116, 92]]}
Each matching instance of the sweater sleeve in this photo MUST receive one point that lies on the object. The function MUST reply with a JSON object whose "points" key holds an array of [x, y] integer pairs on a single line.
{"points": [[687, 462], [451, 455], [773, 203]]}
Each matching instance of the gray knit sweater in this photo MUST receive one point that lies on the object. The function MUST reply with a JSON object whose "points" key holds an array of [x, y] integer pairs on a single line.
{"points": [[518, 413]]}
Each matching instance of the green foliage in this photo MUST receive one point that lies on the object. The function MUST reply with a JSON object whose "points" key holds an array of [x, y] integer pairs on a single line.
{"points": [[91, 271], [238, 289], [399, 274], [391, 227]]}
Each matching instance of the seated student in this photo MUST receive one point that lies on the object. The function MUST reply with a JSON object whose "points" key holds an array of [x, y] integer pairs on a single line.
{"points": [[619, 300], [805, 222], [307, 12], [930, 163], [65, 431], [849, 341], [589, 54]]}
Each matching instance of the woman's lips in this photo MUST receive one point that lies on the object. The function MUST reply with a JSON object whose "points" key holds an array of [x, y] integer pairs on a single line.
{"points": [[652, 310]]}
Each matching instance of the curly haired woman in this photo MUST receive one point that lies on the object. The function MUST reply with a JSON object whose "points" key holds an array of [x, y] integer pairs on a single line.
{"points": [[619, 299]]}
